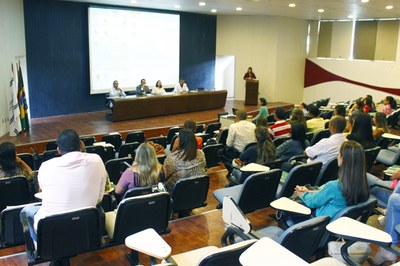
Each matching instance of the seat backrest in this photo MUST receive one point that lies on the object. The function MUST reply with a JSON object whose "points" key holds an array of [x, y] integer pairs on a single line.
{"points": [[200, 128], [115, 168], [280, 140], [171, 133], [159, 140], [51, 145], [49, 154], [14, 191], [115, 139], [370, 156], [99, 150], [137, 136], [275, 164], [308, 233], [137, 191], [309, 136], [68, 234], [190, 193], [228, 255], [142, 212], [172, 142], [109, 153], [128, 149], [28, 159], [88, 141], [211, 154], [328, 172], [325, 133], [223, 135], [212, 127], [11, 233], [300, 175], [258, 190]]}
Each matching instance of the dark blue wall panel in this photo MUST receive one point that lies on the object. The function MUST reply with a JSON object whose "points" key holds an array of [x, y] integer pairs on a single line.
{"points": [[58, 56]]}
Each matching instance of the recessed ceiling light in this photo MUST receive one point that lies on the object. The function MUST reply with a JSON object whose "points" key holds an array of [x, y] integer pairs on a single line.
{"points": [[321, 10], [389, 7], [133, 2], [177, 6], [213, 11], [239, 8], [202, 3], [292, 5], [364, 1]]}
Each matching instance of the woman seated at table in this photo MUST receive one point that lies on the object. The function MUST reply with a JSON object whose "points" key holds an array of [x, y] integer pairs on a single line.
{"points": [[158, 89], [11, 165], [187, 161], [145, 170], [262, 153], [295, 145], [350, 188], [381, 126], [362, 131]]}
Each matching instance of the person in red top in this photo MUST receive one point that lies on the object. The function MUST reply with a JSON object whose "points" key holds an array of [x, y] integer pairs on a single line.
{"points": [[249, 74], [281, 128], [189, 124]]}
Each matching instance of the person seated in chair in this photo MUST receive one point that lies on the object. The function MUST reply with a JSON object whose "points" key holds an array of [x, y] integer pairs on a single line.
{"points": [[116, 91], [11, 165], [281, 128], [362, 131], [189, 124], [142, 88], [145, 170], [294, 146], [328, 148], [181, 87], [350, 188], [315, 123], [73, 181]]}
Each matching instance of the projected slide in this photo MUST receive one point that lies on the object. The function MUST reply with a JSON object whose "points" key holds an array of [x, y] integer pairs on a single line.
{"points": [[128, 45]]}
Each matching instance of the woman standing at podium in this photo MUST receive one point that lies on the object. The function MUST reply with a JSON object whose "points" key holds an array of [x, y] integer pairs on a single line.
{"points": [[249, 74]]}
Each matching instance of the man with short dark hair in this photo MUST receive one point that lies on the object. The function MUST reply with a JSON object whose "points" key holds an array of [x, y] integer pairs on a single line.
{"points": [[281, 128], [73, 181], [315, 123], [142, 88], [328, 148]]}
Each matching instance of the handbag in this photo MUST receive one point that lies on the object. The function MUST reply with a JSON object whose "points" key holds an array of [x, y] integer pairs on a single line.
{"points": [[359, 251]]}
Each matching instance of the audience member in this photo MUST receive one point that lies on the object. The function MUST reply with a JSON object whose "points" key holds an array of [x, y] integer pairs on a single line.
{"points": [[145, 170], [362, 131], [73, 181], [340, 110], [187, 161], [350, 188], [281, 128], [328, 148], [294, 146], [389, 105], [262, 153], [10, 164], [358, 107], [191, 125], [142, 88], [304, 108], [116, 91], [372, 102], [382, 189], [262, 121], [298, 117], [240, 133], [181, 87], [158, 89], [381, 125], [315, 123], [263, 110], [368, 105], [249, 74], [349, 125]]}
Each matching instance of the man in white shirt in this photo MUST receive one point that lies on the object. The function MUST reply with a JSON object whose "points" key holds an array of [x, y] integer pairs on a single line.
{"points": [[116, 91], [181, 87], [328, 148], [73, 181]]}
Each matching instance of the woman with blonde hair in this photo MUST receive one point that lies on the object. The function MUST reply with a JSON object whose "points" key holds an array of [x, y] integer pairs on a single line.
{"points": [[298, 117], [145, 170]]}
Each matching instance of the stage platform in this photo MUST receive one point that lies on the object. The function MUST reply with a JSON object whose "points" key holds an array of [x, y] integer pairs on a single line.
{"points": [[95, 124]]}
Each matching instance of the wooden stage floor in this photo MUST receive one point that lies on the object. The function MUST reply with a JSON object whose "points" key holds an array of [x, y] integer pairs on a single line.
{"points": [[94, 123]]}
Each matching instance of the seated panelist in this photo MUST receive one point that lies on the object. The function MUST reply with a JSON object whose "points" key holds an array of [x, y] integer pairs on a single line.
{"points": [[142, 88], [116, 91], [159, 90], [181, 87]]}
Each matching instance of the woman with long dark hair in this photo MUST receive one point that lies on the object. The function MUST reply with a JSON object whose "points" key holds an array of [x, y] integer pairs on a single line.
{"points": [[10, 164], [350, 188], [294, 146], [362, 131], [187, 161]]}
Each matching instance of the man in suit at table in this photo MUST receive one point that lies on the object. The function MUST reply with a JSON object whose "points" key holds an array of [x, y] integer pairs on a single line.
{"points": [[142, 88], [73, 181]]}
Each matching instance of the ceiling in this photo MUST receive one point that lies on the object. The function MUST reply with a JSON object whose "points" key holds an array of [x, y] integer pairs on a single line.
{"points": [[304, 9]]}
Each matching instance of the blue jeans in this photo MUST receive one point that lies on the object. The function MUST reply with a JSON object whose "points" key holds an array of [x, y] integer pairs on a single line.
{"points": [[393, 217], [30, 212], [381, 194]]}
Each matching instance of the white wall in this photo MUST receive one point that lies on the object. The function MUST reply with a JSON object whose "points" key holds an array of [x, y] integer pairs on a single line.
{"points": [[12, 46], [274, 46]]}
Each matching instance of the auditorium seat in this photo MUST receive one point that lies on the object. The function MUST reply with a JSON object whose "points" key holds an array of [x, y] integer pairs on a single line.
{"points": [[370, 156], [159, 140], [115, 168], [99, 150], [88, 141], [171, 133], [328, 172], [223, 135], [137, 136], [49, 154], [113, 138], [211, 128], [128, 149], [280, 140], [321, 134], [14, 191], [199, 128], [28, 159], [211, 154], [51, 145]]}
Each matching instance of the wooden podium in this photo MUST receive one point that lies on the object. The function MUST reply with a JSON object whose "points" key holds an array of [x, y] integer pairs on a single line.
{"points": [[251, 97]]}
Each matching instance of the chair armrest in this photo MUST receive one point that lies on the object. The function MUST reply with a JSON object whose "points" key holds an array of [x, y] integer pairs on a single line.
{"points": [[286, 204]]}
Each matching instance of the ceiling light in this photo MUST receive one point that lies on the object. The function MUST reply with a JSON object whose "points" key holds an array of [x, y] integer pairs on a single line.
{"points": [[213, 11], [292, 5], [364, 1], [239, 8], [321, 10], [202, 3], [389, 7], [350, 16], [133, 2], [177, 6]]}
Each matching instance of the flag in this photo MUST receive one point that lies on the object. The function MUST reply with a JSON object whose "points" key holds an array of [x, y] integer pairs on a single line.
{"points": [[15, 122], [23, 105]]}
